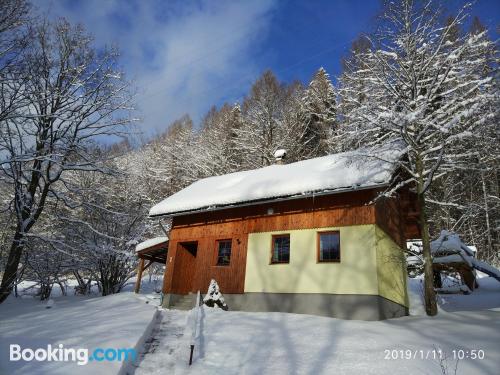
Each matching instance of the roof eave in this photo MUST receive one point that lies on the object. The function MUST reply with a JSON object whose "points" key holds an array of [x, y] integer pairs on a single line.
{"points": [[268, 200]]}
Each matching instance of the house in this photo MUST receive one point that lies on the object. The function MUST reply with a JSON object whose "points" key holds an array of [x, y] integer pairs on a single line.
{"points": [[309, 237]]}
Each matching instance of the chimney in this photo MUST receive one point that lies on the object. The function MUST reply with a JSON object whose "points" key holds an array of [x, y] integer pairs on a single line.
{"points": [[279, 155]]}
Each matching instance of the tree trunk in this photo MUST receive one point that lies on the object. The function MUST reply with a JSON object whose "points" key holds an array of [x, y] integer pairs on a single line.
{"points": [[45, 289], [487, 217], [10, 274], [429, 292]]}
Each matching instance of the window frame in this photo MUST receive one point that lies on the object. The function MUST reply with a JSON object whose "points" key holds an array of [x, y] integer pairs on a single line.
{"points": [[273, 237], [318, 247], [217, 242]]}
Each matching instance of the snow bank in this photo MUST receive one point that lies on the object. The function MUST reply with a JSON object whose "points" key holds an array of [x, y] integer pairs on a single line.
{"points": [[151, 242], [278, 343], [416, 296], [117, 321], [462, 288], [349, 170], [487, 296]]}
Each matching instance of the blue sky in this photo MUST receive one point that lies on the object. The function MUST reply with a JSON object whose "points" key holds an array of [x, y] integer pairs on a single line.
{"points": [[185, 56]]}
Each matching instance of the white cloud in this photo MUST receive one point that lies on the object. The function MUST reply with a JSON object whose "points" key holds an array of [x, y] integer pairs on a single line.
{"points": [[183, 56]]}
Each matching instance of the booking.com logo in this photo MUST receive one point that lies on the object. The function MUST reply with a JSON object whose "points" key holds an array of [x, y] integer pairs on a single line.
{"points": [[61, 354]]}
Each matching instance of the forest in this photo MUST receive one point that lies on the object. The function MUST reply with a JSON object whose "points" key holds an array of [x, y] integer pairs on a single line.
{"points": [[74, 207]]}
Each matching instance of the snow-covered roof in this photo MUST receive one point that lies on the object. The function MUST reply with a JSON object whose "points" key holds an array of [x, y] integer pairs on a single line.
{"points": [[453, 258], [449, 243], [343, 171], [150, 243], [414, 260], [449, 248]]}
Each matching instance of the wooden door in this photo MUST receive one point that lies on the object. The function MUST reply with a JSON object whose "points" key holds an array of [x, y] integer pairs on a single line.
{"points": [[184, 267]]}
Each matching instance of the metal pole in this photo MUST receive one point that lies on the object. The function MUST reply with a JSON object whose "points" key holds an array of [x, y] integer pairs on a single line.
{"points": [[191, 355]]}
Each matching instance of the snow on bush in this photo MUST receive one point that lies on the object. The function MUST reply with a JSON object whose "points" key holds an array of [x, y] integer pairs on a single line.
{"points": [[214, 296]]}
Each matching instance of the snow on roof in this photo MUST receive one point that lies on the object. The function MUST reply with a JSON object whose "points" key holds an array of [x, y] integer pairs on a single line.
{"points": [[414, 260], [449, 243], [151, 242], [452, 258], [348, 170], [449, 248]]}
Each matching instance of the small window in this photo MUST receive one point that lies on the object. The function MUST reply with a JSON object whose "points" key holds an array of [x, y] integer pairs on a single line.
{"points": [[223, 252], [328, 247], [280, 249]]}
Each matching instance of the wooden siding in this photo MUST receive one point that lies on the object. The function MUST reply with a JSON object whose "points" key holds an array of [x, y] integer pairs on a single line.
{"points": [[303, 206], [410, 209], [184, 264], [190, 274], [319, 212], [390, 219]]}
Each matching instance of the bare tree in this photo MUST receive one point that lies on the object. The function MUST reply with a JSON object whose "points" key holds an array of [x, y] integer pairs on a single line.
{"points": [[101, 232], [71, 94], [13, 16], [271, 120], [13, 38]]}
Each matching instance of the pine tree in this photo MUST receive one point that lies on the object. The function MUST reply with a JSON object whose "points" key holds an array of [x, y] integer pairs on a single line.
{"points": [[319, 114], [353, 93]]}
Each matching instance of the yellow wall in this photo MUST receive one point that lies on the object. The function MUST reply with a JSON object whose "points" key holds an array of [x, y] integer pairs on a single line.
{"points": [[391, 269], [371, 263], [355, 274]]}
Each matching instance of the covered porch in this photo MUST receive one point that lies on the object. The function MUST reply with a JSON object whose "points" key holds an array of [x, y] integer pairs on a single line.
{"points": [[149, 252]]}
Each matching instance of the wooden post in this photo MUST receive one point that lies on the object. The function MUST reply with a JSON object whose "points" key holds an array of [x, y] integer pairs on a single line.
{"points": [[140, 268]]}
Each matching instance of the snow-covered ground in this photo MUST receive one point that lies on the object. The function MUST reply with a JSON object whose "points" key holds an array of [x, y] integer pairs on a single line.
{"points": [[119, 321], [167, 350], [486, 296], [257, 343], [276, 343]]}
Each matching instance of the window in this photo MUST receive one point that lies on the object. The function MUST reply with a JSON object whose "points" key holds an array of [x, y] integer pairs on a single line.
{"points": [[328, 247], [223, 252], [280, 249]]}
